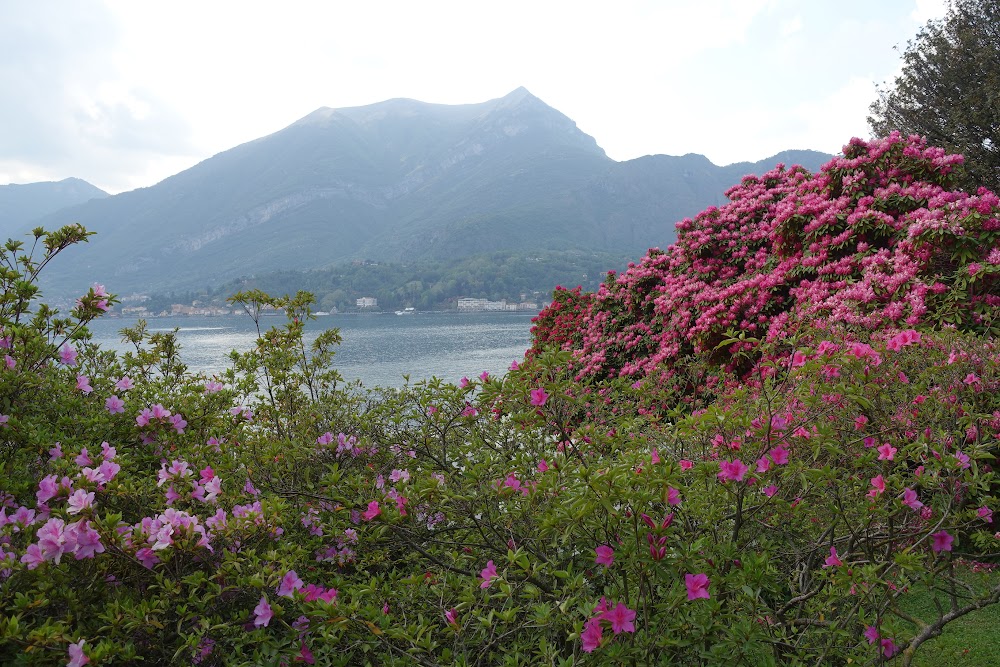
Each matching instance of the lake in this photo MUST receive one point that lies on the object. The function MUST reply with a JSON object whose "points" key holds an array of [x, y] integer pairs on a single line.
{"points": [[378, 349]]}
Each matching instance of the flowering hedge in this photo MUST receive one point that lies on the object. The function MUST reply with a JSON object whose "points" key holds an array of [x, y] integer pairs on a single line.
{"points": [[877, 238]]}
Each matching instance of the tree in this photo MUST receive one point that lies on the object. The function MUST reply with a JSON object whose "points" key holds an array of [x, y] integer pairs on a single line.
{"points": [[949, 89]]}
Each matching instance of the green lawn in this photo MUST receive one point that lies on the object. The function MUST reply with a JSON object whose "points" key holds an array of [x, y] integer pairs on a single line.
{"points": [[971, 641]]}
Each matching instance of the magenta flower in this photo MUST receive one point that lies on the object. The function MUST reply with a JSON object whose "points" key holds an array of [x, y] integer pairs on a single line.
{"points": [[484, 376], [763, 464], [833, 560], [621, 618], [889, 648], [605, 555], [779, 455], [673, 497], [942, 541], [685, 464], [590, 638], [886, 452], [732, 470], [77, 658], [538, 397], [654, 457], [514, 365], [67, 354], [697, 586], [770, 490], [373, 511], [542, 466], [114, 405], [910, 499], [488, 574], [289, 584], [871, 634], [451, 616], [262, 613], [986, 514]]}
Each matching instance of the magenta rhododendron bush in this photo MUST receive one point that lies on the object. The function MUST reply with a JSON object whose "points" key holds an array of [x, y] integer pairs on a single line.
{"points": [[755, 449], [876, 239]]}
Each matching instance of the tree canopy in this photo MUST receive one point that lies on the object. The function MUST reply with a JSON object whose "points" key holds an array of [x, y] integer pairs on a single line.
{"points": [[949, 89]]}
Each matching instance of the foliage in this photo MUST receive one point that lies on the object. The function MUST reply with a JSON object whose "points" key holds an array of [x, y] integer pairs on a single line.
{"points": [[947, 91], [785, 510]]}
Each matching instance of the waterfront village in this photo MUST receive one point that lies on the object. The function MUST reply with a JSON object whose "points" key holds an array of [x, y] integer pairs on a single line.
{"points": [[136, 305]]}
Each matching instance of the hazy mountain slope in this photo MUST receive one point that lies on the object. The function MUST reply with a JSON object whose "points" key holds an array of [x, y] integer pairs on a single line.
{"points": [[397, 180], [22, 204]]}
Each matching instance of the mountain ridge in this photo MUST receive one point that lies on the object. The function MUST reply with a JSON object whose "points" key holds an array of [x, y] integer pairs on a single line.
{"points": [[400, 179]]}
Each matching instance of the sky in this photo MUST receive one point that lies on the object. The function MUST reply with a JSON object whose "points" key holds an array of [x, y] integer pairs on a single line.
{"points": [[124, 94]]}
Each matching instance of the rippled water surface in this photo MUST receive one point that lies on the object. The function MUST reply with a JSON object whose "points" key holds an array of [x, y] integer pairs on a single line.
{"points": [[378, 349]]}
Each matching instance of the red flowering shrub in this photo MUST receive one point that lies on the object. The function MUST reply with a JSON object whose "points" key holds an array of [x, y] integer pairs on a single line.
{"points": [[876, 239]]}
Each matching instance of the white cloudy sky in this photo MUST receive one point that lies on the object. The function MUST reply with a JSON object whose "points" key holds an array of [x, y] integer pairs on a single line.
{"points": [[124, 93]]}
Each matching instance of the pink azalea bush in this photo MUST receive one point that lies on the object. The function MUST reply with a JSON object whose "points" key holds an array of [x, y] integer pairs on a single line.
{"points": [[876, 239]]}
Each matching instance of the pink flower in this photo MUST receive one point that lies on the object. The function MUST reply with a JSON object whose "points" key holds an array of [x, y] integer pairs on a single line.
{"points": [[124, 384], [77, 658], [542, 466], [605, 555], [697, 586], [262, 613], [56, 452], [889, 648], [878, 486], [673, 496], [488, 574], [685, 464], [833, 560], [514, 365], [910, 499], [484, 376], [212, 387], [114, 405], [621, 618], [941, 541], [654, 457], [144, 417], [48, 487], [971, 378], [871, 634], [80, 500], [732, 470], [763, 464], [289, 584], [986, 514], [67, 354], [9, 361], [463, 383], [83, 384], [373, 511], [590, 638], [886, 452], [859, 422], [451, 616], [770, 490], [33, 556], [538, 397], [87, 540]]}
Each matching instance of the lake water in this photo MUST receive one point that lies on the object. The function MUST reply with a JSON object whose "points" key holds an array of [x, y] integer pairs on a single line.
{"points": [[377, 349]]}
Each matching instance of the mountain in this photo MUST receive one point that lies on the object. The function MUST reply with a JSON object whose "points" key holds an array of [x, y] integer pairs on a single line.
{"points": [[22, 204], [397, 180]]}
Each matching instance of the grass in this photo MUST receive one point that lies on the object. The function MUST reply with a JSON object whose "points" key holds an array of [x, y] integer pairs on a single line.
{"points": [[970, 641]]}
